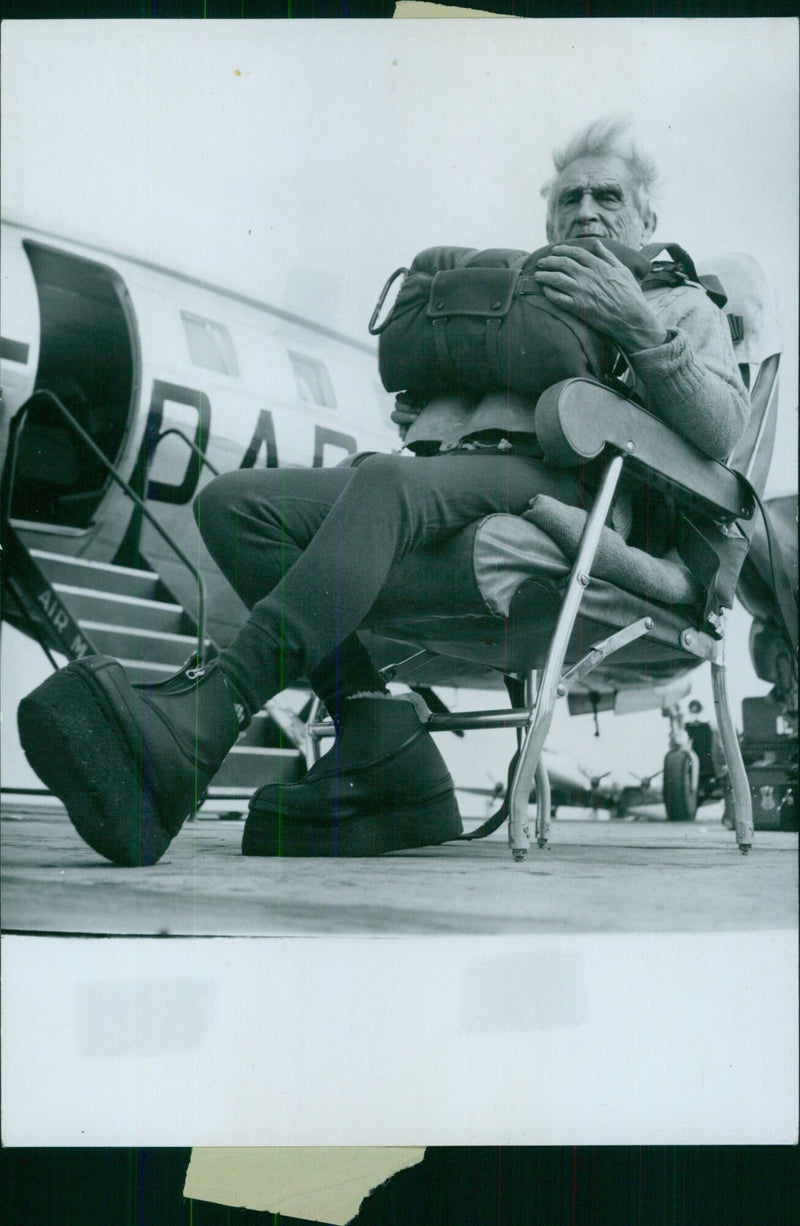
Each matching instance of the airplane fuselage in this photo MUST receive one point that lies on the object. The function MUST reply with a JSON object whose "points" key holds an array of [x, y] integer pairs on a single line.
{"points": [[173, 378]]}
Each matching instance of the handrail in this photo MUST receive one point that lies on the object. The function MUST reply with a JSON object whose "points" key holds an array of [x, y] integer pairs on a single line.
{"points": [[11, 465], [201, 455]]}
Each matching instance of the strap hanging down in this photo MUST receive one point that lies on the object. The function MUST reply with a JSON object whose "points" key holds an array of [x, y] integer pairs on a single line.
{"points": [[680, 271], [516, 694], [489, 826]]}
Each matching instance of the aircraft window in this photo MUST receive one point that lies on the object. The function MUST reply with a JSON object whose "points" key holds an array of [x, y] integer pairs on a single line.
{"points": [[210, 344], [313, 381]]}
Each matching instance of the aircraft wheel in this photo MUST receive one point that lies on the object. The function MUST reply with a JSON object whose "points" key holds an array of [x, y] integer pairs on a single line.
{"points": [[680, 786]]}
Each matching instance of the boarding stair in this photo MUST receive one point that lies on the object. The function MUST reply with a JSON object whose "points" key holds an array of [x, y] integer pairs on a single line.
{"points": [[130, 614], [75, 606]]}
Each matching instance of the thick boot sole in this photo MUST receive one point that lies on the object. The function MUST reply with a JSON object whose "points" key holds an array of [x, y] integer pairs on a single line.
{"points": [[73, 741], [426, 824]]}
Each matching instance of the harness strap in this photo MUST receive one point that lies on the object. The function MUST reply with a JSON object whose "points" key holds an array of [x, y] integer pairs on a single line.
{"points": [[489, 826], [681, 260], [679, 270], [736, 325], [442, 352], [496, 820], [494, 349]]}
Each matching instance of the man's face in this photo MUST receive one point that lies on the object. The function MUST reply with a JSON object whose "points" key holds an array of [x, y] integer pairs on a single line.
{"points": [[595, 196]]}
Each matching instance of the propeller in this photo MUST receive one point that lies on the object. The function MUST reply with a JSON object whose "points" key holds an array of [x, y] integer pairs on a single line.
{"points": [[644, 781], [597, 779], [494, 792]]}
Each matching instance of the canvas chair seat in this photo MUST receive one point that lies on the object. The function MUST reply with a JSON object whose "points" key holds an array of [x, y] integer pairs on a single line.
{"points": [[456, 620]]}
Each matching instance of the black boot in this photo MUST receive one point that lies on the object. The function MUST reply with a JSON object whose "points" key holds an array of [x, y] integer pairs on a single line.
{"points": [[384, 786], [130, 763]]}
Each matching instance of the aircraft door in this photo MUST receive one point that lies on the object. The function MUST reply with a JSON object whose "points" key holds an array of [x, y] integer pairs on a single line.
{"points": [[89, 358], [19, 311], [19, 344]]}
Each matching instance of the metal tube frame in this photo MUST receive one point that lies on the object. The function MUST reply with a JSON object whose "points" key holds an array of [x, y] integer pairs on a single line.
{"points": [[737, 778], [607, 647], [550, 681], [544, 803], [468, 721], [316, 729], [536, 714], [201, 456]]}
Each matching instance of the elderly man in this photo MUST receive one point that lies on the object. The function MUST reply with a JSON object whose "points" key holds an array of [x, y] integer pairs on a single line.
{"points": [[308, 551]]}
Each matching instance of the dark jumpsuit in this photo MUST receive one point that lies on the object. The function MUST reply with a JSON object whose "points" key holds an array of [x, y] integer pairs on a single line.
{"points": [[308, 551]]}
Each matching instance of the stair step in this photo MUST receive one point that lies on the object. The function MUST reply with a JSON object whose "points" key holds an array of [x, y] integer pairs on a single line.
{"points": [[79, 572], [134, 643], [248, 767], [147, 672], [264, 732], [110, 607]]}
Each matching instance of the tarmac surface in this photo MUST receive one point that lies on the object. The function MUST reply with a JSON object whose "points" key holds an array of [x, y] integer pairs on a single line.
{"points": [[639, 874]]}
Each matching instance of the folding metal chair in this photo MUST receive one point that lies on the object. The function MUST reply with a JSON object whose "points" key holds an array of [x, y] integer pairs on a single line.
{"points": [[548, 620]]}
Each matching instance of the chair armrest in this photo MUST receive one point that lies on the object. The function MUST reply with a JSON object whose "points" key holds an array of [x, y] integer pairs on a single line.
{"points": [[578, 418]]}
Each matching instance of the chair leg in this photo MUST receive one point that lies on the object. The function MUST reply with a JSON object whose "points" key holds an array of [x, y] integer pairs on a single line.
{"points": [[527, 697], [313, 737], [536, 734], [543, 805], [740, 788]]}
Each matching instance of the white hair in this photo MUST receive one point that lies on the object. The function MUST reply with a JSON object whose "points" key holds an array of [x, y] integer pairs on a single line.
{"points": [[607, 138]]}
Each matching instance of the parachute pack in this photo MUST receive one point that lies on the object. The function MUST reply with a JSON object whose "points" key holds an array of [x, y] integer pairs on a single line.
{"points": [[477, 321]]}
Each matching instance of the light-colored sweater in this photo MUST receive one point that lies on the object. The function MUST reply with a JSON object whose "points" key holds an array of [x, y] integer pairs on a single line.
{"points": [[692, 381]]}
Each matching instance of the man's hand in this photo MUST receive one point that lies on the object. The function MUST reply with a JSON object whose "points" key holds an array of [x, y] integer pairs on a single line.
{"points": [[404, 415], [593, 284]]}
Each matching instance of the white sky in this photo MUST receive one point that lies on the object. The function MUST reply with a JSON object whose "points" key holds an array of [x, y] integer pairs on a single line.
{"points": [[274, 156], [303, 161]]}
